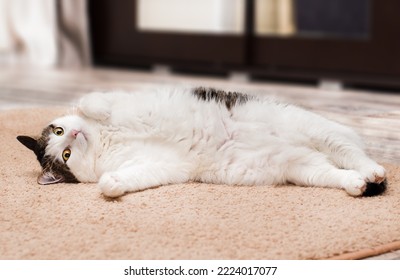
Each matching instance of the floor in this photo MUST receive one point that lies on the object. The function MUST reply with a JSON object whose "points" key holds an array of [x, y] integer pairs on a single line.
{"points": [[374, 115]]}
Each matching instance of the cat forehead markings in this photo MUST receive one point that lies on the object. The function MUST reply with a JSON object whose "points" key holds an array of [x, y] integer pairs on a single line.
{"points": [[42, 142]]}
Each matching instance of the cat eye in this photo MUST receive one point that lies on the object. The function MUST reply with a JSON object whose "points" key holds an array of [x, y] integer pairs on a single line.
{"points": [[66, 154], [59, 131]]}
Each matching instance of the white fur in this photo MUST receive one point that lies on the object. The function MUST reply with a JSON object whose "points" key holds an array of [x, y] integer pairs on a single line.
{"points": [[134, 141]]}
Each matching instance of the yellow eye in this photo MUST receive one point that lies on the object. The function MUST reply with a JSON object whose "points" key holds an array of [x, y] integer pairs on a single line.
{"points": [[59, 131], [66, 154]]}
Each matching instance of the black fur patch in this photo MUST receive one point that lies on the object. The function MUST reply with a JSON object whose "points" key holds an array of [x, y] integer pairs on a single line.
{"points": [[374, 189], [40, 149], [56, 167], [229, 99]]}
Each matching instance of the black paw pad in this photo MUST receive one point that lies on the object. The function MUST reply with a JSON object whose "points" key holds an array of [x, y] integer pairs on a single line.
{"points": [[374, 189]]}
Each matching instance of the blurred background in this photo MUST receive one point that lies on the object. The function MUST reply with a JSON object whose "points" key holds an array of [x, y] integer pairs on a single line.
{"points": [[355, 42]]}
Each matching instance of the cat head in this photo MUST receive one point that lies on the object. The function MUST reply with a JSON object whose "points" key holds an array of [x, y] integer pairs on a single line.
{"points": [[61, 144]]}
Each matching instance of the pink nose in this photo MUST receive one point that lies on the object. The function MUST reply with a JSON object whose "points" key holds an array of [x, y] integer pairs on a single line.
{"points": [[74, 133]]}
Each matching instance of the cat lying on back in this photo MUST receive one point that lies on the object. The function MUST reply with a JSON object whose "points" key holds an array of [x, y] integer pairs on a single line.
{"points": [[128, 142]]}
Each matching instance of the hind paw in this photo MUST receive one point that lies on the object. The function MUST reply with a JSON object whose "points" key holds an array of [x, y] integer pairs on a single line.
{"points": [[354, 184], [374, 173]]}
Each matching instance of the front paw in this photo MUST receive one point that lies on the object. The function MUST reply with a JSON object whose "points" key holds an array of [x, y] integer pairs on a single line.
{"points": [[95, 106], [111, 186]]}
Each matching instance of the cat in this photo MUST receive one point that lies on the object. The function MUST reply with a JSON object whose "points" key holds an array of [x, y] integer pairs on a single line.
{"points": [[132, 141]]}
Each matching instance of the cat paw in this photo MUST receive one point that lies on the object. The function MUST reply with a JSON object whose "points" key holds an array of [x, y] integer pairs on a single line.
{"points": [[354, 184], [95, 106], [111, 186], [373, 173], [100, 115]]}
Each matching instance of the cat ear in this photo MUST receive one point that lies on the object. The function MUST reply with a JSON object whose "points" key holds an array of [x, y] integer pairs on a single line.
{"points": [[48, 178], [28, 142]]}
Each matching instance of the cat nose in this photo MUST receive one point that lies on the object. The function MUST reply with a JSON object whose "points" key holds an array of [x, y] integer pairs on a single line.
{"points": [[74, 133]]}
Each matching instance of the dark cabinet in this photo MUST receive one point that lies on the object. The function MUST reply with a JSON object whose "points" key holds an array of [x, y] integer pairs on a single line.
{"points": [[356, 41]]}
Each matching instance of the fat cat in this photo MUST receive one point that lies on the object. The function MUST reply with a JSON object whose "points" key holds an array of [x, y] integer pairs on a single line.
{"points": [[132, 141]]}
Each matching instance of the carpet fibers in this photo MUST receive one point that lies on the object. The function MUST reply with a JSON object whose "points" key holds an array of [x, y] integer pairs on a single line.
{"points": [[189, 221]]}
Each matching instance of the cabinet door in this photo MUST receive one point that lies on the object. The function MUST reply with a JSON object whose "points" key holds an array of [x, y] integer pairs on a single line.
{"points": [[206, 33], [358, 40]]}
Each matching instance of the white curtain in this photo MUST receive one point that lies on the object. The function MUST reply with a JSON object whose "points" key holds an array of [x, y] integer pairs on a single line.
{"points": [[192, 16], [44, 33]]}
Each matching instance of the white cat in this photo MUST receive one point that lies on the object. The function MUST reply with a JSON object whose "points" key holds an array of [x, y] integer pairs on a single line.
{"points": [[133, 141]]}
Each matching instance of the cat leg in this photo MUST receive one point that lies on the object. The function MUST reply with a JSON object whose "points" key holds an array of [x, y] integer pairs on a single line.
{"points": [[140, 177], [347, 153], [316, 171], [353, 158], [370, 170], [95, 106]]}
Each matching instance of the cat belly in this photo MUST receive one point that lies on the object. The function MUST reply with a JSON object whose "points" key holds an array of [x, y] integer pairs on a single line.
{"points": [[237, 165]]}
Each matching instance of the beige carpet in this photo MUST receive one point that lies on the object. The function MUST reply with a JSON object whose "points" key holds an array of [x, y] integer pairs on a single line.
{"points": [[193, 221]]}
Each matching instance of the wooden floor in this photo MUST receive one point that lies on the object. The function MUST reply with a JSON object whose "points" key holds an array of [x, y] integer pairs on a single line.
{"points": [[374, 115]]}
